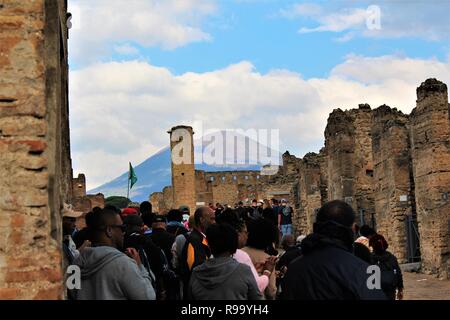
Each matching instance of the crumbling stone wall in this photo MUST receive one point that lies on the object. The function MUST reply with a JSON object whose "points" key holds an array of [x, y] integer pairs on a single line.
{"points": [[203, 188], [229, 187], [310, 194], [389, 166], [363, 165], [349, 159], [323, 167], [430, 149], [35, 166], [157, 201], [339, 142], [79, 186], [393, 188]]}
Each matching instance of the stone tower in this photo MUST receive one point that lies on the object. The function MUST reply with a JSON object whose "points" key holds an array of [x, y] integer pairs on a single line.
{"points": [[182, 164], [430, 150]]}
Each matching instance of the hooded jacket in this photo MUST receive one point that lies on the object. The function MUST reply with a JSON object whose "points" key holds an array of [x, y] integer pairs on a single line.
{"points": [[328, 270], [223, 279], [108, 274]]}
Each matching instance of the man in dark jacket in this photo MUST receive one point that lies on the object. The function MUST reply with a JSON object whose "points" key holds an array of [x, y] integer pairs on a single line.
{"points": [[161, 237], [328, 269], [222, 277], [242, 211], [151, 254]]}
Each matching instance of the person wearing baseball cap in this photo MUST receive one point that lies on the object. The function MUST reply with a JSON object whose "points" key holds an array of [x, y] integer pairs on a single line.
{"points": [[69, 219], [161, 237]]}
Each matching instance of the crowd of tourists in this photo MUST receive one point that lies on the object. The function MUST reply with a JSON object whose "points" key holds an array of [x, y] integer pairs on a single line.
{"points": [[222, 252]]}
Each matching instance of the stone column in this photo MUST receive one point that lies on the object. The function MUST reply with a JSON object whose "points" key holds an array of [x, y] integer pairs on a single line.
{"points": [[393, 188], [430, 145]]}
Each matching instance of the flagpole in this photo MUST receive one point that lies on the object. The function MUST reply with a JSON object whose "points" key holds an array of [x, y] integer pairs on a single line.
{"points": [[128, 184]]}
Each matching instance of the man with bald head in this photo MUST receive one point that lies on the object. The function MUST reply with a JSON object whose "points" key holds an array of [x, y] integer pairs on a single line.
{"points": [[190, 250]]}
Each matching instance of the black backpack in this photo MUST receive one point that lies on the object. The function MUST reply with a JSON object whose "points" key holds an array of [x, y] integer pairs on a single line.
{"points": [[389, 274]]}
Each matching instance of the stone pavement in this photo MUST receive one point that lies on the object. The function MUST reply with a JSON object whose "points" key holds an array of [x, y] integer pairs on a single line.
{"points": [[425, 287]]}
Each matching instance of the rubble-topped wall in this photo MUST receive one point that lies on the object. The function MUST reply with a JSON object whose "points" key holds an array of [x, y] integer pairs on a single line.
{"points": [[157, 201], [97, 200], [340, 145], [79, 186], [349, 159], [393, 185], [430, 149]]}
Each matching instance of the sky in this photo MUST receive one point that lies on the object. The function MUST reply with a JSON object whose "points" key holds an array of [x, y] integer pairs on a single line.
{"points": [[139, 67]]}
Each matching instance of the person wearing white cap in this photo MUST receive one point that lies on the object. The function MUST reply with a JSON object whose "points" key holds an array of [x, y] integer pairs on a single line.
{"points": [[69, 218]]}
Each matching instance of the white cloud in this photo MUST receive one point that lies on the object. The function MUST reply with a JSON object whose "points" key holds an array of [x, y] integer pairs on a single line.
{"points": [[301, 9], [126, 50], [415, 19], [337, 22], [168, 24], [120, 111]]}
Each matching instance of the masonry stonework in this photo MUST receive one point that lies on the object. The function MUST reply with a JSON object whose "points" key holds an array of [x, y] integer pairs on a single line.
{"points": [[393, 185], [183, 171], [393, 169], [35, 165], [430, 149]]}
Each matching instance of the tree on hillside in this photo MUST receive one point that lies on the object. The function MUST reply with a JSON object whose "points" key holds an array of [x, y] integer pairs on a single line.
{"points": [[118, 201]]}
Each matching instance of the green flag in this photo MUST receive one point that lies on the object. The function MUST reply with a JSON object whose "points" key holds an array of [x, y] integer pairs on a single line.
{"points": [[132, 176]]}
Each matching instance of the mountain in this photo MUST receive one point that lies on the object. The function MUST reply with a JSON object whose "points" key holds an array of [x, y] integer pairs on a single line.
{"points": [[154, 173]]}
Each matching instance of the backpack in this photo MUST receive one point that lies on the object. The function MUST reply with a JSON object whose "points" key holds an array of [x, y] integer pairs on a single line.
{"points": [[201, 253], [389, 275]]}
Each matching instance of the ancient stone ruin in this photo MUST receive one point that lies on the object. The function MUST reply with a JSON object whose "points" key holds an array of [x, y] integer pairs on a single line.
{"points": [[392, 168]]}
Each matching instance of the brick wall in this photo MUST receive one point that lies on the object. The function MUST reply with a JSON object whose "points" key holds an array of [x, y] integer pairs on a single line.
{"points": [[35, 164]]}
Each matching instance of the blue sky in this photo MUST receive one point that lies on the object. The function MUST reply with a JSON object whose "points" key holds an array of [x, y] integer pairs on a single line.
{"points": [[149, 64], [258, 31]]}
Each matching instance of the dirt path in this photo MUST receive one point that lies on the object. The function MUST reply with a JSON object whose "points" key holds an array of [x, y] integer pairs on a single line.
{"points": [[425, 287]]}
